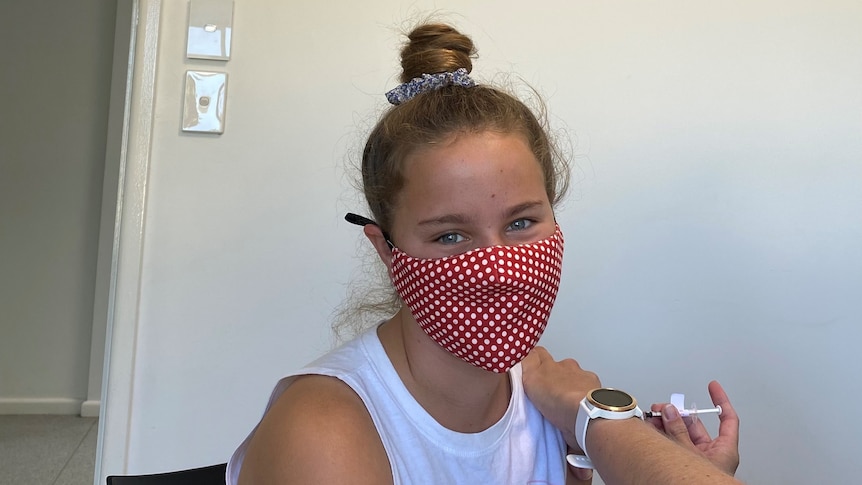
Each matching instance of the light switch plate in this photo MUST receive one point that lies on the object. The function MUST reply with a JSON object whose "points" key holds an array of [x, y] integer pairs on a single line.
{"points": [[204, 103], [210, 25]]}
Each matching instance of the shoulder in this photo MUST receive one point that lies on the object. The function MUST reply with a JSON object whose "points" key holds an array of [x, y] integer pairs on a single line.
{"points": [[317, 431]]}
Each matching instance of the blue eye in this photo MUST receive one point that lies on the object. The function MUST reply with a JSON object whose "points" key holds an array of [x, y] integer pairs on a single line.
{"points": [[520, 224], [450, 238]]}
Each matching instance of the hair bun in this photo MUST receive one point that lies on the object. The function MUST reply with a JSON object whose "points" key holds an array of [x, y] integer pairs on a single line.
{"points": [[433, 48]]}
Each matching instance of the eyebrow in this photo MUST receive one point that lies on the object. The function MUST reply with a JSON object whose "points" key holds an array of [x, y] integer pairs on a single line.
{"points": [[447, 219], [463, 218], [518, 209]]}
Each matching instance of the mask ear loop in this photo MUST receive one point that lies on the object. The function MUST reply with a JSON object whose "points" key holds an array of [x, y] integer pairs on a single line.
{"points": [[364, 221]]}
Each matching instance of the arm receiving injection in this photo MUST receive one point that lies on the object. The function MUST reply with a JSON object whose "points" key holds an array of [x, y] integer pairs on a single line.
{"points": [[624, 451]]}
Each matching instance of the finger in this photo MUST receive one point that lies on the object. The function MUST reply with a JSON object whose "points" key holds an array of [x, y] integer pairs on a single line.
{"points": [[582, 474], [532, 360], [697, 432], [541, 352], [728, 427], [696, 429], [675, 427], [536, 358], [656, 421]]}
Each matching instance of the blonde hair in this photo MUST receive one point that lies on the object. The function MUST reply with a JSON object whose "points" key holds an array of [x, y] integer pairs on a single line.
{"points": [[435, 115]]}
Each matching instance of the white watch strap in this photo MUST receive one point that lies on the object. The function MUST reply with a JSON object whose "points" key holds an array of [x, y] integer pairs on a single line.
{"points": [[579, 461], [581, 422], [587, 413]]}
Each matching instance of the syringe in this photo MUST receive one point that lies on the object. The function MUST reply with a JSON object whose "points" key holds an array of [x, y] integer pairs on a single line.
{"points": [[685, 412]]}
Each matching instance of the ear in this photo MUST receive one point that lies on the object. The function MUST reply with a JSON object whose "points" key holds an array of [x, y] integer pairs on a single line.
{"points": [[375, 235]]}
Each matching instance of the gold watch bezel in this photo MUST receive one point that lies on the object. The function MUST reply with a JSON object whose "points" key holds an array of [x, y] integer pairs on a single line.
{"points": [[610, 407]]}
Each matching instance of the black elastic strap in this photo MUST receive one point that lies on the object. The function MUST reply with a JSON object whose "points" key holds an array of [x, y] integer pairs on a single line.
{"points": [[364, 221]]}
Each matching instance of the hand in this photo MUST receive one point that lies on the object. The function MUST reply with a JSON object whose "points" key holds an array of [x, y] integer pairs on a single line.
{"points": [[556, 389], [723, 451]]}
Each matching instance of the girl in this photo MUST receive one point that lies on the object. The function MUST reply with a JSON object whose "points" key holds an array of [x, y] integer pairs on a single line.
{"points": [[461, 180]]}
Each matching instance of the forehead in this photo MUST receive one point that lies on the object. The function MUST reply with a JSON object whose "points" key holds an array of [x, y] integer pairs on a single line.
{"points": [[469, 172]]}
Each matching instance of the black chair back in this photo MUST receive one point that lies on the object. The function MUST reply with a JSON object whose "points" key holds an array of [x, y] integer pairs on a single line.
{"points": [[208, 475]]}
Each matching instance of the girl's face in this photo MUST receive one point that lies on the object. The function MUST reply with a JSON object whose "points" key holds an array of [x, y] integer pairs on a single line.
{"points": [[470, 191]]}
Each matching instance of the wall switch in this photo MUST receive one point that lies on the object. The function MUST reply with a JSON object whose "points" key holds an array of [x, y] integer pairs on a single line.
{"points": [[203, 107], [210, 25]]}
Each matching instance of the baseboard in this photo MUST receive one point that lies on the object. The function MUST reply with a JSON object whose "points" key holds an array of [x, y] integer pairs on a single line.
{"points": [[90, 409], [40, 406]]}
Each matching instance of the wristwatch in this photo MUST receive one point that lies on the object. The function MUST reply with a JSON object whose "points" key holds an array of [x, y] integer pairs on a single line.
{"points": [[604, 403]]}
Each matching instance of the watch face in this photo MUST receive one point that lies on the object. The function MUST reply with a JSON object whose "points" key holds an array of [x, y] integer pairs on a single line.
{"points": [[612, 399]]}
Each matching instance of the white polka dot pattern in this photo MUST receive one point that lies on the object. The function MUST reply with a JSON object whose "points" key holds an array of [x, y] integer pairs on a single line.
{"points": [[488, 306]]}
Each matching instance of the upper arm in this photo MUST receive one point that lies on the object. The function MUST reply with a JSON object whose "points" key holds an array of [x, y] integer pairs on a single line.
{"points": [[317, 431]]}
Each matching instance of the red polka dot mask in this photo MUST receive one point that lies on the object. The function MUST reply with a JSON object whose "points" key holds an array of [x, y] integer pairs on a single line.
{"points": [[488, 306]]}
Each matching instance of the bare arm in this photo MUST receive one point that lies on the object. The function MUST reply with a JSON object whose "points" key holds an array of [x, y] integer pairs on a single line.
{"points": [[625, 452], [318, 431], [633, 452]]}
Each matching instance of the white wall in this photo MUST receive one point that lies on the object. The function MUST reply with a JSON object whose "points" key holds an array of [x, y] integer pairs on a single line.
{"points": [[56, 73], [714, 228]]}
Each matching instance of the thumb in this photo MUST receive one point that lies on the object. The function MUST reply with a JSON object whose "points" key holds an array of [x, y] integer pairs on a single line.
{"points": [[674, 426]]}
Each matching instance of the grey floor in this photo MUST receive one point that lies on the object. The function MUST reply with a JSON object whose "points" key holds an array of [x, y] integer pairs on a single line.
{"points": [[47, 450]]}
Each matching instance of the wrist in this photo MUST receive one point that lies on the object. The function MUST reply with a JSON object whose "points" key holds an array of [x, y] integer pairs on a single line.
{"points": [[571, 402], [603, 404]]}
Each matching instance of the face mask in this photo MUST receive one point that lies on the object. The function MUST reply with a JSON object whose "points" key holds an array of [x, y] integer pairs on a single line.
{"points": [[488, 306]]}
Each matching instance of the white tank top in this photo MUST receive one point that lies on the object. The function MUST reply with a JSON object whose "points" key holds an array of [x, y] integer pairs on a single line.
{"points": [[522, 448]]}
